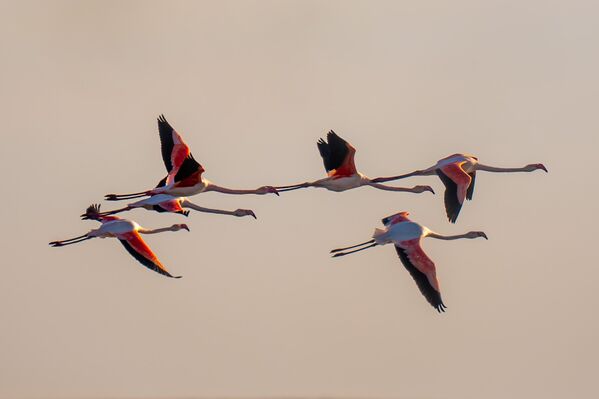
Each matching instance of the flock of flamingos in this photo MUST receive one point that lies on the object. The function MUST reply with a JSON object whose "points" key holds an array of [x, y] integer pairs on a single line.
{"points": [[184, 178]]}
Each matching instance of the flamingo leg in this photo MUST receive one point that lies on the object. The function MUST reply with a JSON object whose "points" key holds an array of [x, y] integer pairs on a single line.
{"points": [[355, 250], [118, 197], [353, 246], [70, 241], [292, 187], [114, 211]]}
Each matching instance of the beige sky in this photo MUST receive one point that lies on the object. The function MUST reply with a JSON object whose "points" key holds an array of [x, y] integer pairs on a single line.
{"points": [[262, 310]]}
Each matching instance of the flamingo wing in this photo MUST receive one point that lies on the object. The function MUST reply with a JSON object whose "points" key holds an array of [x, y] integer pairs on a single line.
{"points": [[173, 206], [422, 269], [457, 183], [137, 247], [337, 155], [175, 153], [162, 182], [188, 168], [470, 192], [174, 149]]}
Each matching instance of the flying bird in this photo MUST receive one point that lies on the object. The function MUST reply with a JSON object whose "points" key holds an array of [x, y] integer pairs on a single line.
{"points": [[184, 173], [128, 233], [168, 203], [406, 236], [338, 157], [458, 173]]}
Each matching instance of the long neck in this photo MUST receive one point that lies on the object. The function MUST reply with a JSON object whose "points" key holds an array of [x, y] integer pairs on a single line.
{"points": [[371, 183], [191, 205], [502, 170], [425, 172], [154, 231], [454, 237], [224, 190]]}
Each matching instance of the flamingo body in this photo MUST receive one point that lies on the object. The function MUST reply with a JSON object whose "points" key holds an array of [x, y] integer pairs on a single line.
{"points": [[338, 159], [184, 173], [160, 203], [185, 188], [340, 182], [458, 174], [127, 232], [406, 236]]}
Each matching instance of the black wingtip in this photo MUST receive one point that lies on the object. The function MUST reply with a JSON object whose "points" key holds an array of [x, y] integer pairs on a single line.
{"points": [[92, 212]]}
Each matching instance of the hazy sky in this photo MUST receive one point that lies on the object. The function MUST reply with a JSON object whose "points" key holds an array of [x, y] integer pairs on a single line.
{"points": [[262, 310]]}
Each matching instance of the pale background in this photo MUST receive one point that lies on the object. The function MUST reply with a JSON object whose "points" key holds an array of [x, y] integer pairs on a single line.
{"points": [[262, 311]]}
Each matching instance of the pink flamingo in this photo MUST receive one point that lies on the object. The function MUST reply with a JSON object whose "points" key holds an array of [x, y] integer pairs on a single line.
{"points": [[406, 236], [338, 157], [128, 233], [458, 172], [184, 176], [168, 203]]}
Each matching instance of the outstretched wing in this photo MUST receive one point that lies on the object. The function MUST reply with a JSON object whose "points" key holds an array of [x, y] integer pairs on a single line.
{"points": [[337, 155], [422, 269], [456, 183], [134, 244], [175, 153]]}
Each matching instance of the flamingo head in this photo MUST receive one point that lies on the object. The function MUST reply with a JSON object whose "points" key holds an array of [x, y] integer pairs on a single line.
{"points": [[177, 227], [396, 218], [535, 166]]}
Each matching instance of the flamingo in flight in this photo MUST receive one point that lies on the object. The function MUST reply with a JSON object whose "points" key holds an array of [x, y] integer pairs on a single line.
{"points": [[168, 203], [184, 173], [406, 236], [128, 233], [458, 173], [338, 157]]}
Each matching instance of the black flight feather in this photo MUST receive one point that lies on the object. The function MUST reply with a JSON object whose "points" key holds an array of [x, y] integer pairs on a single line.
{"points": [[432, 295]]}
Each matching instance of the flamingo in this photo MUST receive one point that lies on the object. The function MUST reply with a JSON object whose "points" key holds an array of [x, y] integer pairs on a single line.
{"points": [[184, 173], [169, 203], [128, 233], [458, 173], [406, 236], [338, 157]]}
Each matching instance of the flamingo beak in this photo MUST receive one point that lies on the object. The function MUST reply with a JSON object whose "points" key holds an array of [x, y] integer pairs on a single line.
{"points": [[484, 235], [253, 214], [184, 226], [541, 166]]}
